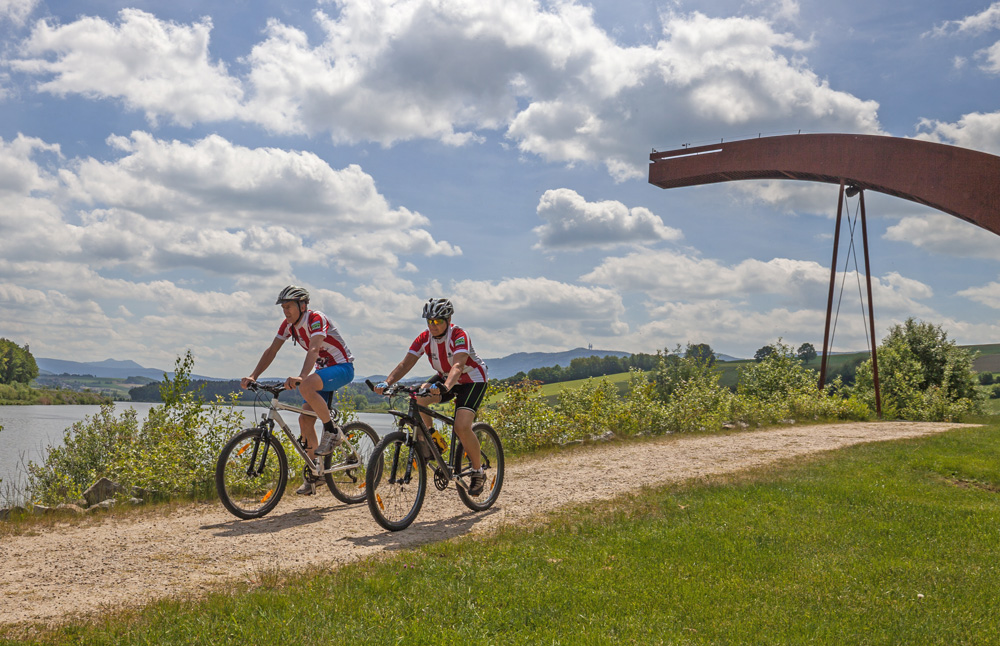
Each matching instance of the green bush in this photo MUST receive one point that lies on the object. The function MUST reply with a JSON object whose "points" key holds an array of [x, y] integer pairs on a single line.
{"points": [[674, 369], [519, 416], [588, 411], [922, 376], [172, 453], [594, 410], [699, 403]]}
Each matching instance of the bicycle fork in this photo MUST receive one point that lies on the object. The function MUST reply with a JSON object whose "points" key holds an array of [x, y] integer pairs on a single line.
{"points": [[253, 470]]}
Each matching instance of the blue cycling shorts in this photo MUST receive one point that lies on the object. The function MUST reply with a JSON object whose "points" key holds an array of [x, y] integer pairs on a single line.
{"points": [[335, 377]]}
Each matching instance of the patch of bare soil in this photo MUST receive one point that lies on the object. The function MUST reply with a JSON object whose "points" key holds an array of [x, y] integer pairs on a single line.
{"points": [[73, 569]]}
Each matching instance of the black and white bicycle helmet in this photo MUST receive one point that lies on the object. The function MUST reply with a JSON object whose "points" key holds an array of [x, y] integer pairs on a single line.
{"points": [[293, 293], [438, 308]]}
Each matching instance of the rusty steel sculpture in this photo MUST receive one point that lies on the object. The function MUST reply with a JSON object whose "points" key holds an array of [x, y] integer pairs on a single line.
{"points": [[958, 181]]}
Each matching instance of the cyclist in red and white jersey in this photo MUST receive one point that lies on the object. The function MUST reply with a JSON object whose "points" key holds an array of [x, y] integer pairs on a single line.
{"points": [[327, 352], [461, 376]]}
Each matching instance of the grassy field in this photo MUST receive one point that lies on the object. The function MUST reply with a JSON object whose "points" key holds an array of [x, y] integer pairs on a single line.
{"points": [[880, 544]]}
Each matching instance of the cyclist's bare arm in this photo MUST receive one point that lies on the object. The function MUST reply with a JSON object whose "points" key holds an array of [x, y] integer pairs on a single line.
{"points": [[265, 361], [400, 370], [456, 371]]}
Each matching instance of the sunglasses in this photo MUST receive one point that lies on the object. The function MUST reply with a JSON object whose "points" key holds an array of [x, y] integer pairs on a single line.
{"points": [[437, 321]]}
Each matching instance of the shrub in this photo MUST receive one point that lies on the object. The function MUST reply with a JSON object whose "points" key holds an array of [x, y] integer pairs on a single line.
{"points": [[173, 452], [519, 415], [588, 411], [778, 387], [922, 375], [673, 370], [641, 412], [699, 404]]}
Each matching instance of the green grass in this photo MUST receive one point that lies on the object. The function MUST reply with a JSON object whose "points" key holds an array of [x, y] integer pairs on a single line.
{"points": [[881, 544]]}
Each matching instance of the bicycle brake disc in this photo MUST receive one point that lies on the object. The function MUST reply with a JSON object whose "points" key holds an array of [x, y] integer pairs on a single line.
{"points": [[440, 481]]}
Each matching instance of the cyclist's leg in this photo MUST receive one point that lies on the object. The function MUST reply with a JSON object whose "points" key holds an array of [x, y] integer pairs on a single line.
{"points": [[468, 397], [311, 388], [464, 418], [307, 428], [327, 380]]}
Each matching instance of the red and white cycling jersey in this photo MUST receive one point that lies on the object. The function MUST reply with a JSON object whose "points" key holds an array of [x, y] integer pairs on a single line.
{"points": [[313, 323], [442, 354]]}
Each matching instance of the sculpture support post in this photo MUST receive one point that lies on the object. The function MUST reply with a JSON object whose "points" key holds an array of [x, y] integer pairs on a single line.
{"points": [[871, 308], [833, 280]]}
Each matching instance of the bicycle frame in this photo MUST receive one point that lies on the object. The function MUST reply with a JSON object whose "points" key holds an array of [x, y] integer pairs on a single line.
{"points": [[268, 420], [415, 421]]}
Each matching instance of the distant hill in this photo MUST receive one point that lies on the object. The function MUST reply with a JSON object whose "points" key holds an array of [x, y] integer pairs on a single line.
{"points": [[524, 361], [108, 368]]}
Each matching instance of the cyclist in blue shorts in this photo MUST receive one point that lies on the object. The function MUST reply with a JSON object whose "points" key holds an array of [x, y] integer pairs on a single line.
{"points": [[327, 352]]}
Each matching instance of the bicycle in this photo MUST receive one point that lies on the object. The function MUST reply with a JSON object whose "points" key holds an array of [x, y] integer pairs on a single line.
{"points": [[396, 482], [252, 469]]}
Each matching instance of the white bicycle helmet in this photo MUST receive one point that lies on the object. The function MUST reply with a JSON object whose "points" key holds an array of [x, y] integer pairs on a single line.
{"points": [[293, 293], [438, 308]]}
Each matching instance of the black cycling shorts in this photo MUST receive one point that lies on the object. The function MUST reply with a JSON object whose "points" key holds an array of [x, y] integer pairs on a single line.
{"points": [[466, 395]]}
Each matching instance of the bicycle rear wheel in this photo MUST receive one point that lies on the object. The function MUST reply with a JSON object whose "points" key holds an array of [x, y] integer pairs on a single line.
{"points": [[396, 482], [492, 455], [251, 473], [349, 486]]}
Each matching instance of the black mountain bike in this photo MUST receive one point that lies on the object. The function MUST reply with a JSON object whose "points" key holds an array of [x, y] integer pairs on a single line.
{"points": [[397, 470], [252, 470]]}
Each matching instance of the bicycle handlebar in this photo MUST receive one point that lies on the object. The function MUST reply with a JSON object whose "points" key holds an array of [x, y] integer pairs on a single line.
{"points": [[397, 388], [273, 389]]}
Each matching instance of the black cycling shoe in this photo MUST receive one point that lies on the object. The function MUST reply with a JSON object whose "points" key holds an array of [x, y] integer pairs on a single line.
{"points": [[477, 481]]}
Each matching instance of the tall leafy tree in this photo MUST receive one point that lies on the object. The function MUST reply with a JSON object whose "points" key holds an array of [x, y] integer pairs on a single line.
{"points": [[763, 353], [17, 365], [806, 352], [701, 352], [923, 375]]}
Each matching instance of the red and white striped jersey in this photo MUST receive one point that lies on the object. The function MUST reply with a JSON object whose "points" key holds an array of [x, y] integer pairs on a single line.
{"points": [[441, 354], [313, 323]]}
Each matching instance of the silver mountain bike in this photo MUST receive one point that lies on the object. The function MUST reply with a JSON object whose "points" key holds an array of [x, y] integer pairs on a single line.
{"points": [[252, 469]]}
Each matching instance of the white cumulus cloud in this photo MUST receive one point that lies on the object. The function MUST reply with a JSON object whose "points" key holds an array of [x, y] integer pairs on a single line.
{"points": [[571, 222], [546, 77], [159, 67], [945, 234]]}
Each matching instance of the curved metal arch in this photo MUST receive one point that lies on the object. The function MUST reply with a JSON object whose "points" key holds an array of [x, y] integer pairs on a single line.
{"points": [[958, 181]]}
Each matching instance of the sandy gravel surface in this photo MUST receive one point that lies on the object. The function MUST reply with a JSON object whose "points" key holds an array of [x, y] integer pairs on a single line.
{"points": [[94, 567]]}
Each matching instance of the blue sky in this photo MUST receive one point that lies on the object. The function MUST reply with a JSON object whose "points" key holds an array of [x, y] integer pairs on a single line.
{"points": [[165, 168]]}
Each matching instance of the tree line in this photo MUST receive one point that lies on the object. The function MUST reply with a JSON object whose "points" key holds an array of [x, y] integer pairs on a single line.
{"points": [[583, 367]]}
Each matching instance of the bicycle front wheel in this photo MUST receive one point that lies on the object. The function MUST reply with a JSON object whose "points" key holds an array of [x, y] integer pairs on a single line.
{"points": [[348, 486], [251, 473], [396, 482], [492, 456]]}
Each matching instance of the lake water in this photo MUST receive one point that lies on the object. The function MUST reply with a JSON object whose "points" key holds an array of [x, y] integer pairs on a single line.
{"points": [[28, 430]]}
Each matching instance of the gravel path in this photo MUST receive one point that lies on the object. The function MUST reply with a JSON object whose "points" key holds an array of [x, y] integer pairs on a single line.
{"points": [[88, 567]]}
